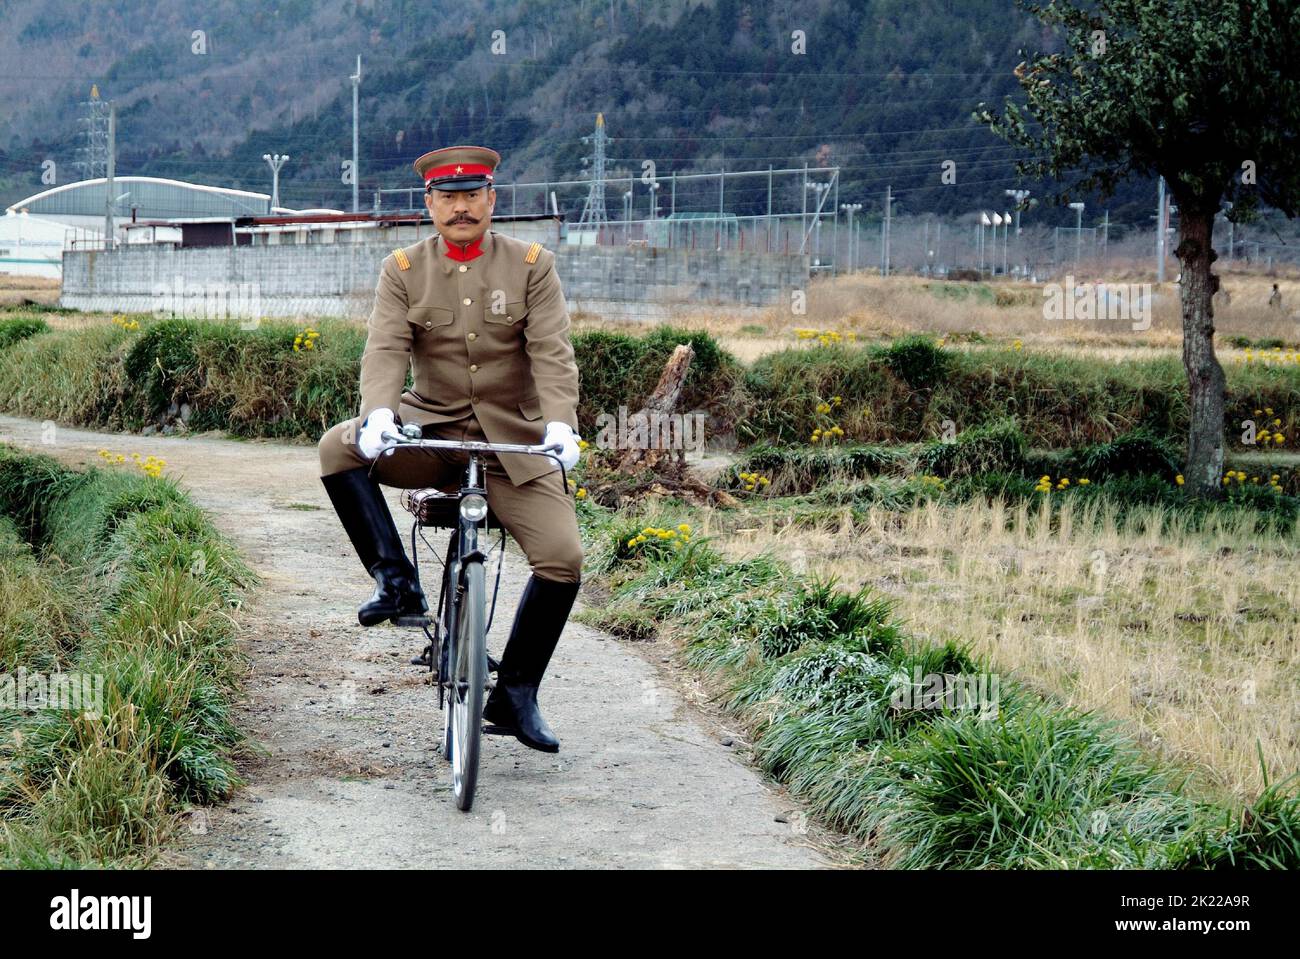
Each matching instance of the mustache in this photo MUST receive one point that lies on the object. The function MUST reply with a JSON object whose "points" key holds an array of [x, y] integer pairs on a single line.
{"points": [[463, 218]]}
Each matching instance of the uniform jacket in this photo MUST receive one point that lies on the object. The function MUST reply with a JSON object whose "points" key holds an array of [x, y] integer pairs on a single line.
{"points": [[488, 336]]}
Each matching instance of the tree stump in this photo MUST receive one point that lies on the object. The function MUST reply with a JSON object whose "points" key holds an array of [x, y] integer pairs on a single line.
{"points": [[662, 402]]}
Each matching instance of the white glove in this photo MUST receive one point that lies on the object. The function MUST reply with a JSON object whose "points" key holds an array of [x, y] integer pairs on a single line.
{"points": [[370, 442], [557, 432]]}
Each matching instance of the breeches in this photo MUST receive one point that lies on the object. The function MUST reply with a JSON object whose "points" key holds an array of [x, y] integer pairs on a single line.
{"points": [[539, 514]]}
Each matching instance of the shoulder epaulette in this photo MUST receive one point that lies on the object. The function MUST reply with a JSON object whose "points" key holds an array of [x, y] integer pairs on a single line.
{"points": [[533, 253], [401, 259]]}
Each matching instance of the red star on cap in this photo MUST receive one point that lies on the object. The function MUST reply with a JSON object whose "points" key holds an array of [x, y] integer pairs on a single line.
{"points": [[459, 168]]}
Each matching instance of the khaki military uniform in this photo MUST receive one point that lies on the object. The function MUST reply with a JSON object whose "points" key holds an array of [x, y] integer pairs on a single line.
{"points": [[487, 341]]}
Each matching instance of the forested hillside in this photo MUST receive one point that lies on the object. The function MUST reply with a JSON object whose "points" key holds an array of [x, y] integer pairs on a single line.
{"points": [[882, 88]]}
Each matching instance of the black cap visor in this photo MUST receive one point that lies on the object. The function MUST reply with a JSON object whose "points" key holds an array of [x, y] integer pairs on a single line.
{"points": [[459, 184]]}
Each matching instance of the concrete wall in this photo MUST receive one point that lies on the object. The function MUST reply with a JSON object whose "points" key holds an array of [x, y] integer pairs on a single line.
{"points": [[339, 279]]}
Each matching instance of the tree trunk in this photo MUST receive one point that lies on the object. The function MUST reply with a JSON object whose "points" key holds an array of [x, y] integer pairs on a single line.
{"points": [[1203, 474]]}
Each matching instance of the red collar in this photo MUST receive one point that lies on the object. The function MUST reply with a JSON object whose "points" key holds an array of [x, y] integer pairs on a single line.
{"points": [[467, 252]]}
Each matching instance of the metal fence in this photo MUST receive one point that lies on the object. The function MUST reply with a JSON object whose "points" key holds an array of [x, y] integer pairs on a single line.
{"points": [[801, 210]]}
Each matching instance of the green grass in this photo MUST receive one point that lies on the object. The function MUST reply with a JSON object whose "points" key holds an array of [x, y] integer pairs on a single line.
{"points": [[124, 579], [20, 328], [251, 383], [819, 676]]}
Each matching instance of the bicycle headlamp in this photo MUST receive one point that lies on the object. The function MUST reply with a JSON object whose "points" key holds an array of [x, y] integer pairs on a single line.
{"points": [[473, 508]]}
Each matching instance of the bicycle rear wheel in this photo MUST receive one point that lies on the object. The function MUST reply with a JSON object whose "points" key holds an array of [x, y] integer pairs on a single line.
{"points": [[468, 673]]}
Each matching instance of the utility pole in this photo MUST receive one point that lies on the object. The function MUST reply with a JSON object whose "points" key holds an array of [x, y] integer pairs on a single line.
{"points": [[1227, 205], [803, 217], [850, 209], [109, 232], [1105, 238], [275, 162], [1006, 230], [1078, 233], [769, 208], [820, 189], [884, 252], [356, 101], [1160, 232], [1019, 196]]}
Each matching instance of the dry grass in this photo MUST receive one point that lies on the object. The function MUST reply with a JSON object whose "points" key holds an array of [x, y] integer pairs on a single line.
{"points": [[21, 290], [1190, 638], [878, 308]]}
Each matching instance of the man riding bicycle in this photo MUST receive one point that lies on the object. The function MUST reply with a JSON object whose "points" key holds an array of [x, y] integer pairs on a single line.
{"points": [[480, 320]]}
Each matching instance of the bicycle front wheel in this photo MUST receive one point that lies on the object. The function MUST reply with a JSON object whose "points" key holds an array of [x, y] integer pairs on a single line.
{"points": [[468, 679]]}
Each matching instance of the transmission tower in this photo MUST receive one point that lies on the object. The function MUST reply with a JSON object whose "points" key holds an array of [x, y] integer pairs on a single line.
{"points": [[593, 211], [94, 155]]}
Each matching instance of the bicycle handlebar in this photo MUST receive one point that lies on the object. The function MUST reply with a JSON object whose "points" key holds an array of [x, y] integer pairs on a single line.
{"points": [[396, 440]]}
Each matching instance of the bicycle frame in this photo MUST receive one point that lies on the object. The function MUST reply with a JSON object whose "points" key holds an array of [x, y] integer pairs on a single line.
{"points": [[461, 661], [463, 544]]}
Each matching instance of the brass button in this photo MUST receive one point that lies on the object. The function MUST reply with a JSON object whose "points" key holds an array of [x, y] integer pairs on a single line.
{"points": [[428, 324], [473, 367], [463, 268], [509, 317], [466, 301], [473, 399], [473, 336]]}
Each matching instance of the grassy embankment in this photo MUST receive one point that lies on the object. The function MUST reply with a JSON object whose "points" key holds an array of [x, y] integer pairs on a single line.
{"points": [[113, 575]]}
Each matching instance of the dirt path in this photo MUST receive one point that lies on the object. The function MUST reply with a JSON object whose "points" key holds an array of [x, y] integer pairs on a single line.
{"points": [[350, 778]]}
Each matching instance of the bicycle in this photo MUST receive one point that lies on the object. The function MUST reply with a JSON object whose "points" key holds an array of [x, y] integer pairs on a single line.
{"points": [[457, 650]]}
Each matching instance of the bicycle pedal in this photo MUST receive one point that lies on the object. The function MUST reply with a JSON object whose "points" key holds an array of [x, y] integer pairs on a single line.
{"points": [[417, 619], [493, 730]]}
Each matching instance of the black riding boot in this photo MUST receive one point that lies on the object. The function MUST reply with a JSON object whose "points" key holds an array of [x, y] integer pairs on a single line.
{"points": [[365, 516], [512, 707]]}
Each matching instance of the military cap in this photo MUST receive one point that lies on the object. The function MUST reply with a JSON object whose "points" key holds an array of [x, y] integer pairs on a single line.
{"points": [[458, 168]]}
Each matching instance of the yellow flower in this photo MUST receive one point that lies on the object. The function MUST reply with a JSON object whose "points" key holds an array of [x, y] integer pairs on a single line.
{"points": [[684, 527], [1084, 482], [1017, 345], [582, 493], [1179, 479]]}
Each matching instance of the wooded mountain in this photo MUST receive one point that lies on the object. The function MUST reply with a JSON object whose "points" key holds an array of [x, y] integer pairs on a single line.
{"points": [[883, 88]]}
